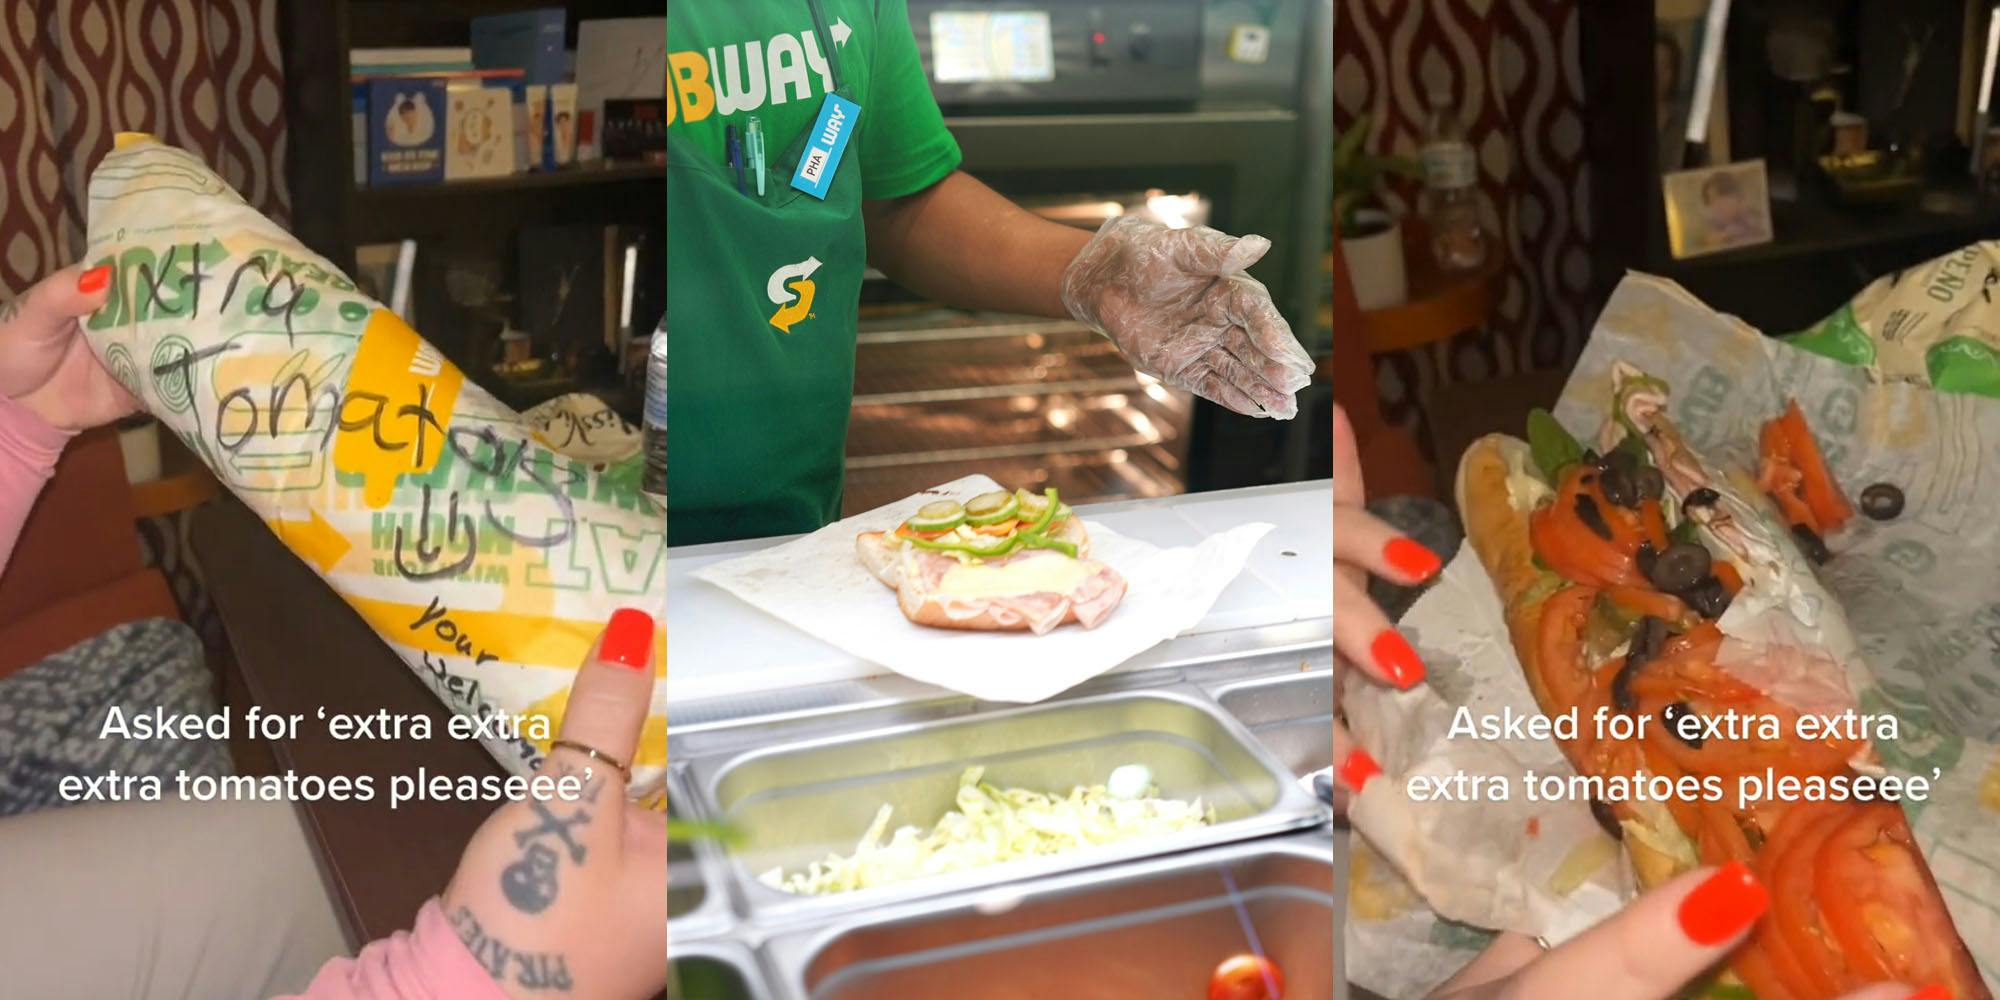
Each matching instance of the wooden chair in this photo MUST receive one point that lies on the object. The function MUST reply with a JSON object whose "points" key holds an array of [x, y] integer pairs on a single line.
{"points": [[77, 569]]}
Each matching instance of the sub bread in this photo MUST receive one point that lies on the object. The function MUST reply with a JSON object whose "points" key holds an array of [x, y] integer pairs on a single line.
{"points": [[1015, 592], [1568, 551]]}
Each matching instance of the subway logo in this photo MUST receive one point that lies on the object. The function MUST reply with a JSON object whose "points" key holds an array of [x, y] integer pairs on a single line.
{"points": [[744, 77]]}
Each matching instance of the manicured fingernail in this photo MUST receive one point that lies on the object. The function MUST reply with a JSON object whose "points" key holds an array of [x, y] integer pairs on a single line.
{"points": [[94, 280], [1932, 993], [628, 640], [1357, 769], [1397, 659], [1411, 559], [1721, 907]]}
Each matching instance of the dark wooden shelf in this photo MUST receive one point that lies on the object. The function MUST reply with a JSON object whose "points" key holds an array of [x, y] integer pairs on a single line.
{"points": [[394, 197], [494, 206], [1806, 228]]}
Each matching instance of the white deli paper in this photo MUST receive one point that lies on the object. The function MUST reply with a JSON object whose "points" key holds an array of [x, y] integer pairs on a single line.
{"points": [[818, 585], [1921, 594]]}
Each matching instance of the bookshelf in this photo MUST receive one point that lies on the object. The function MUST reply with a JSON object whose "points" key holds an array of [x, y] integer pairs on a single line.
{"points": [[455, 220]]}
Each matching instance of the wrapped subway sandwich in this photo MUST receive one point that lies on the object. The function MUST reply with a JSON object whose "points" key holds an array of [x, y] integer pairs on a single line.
{"points": [[488, 560]]}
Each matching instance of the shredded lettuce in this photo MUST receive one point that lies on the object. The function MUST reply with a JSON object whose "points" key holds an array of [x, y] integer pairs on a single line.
{"points": [[992, 826]]}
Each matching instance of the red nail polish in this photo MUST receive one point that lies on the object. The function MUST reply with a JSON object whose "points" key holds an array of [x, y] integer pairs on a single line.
{"points": [[1931, 993], [1411, 559], [1730, 900], [94, 280], [1357, 769], [1397, 658], [628, 640]]}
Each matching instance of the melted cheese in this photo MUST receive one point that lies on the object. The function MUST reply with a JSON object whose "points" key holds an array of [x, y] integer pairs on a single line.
{"points": [[1525, 489], [1053, 573]]}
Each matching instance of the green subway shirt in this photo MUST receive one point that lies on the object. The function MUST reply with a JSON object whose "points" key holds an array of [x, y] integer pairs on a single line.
{"points": [[764, 288], [728, 60]]}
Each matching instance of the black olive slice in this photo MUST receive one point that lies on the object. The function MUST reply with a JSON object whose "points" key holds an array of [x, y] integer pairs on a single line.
{"points": [[1882, 501], [1681, 566], [1810, 542]]}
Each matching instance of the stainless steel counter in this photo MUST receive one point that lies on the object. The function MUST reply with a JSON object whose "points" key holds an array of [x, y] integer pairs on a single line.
{"points": [[797, 743]]}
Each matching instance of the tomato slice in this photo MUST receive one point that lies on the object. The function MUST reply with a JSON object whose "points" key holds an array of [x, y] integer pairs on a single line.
{"points": [[1570, 547], [1001, 529], [1563, 677], [1701, 641], [1246, 977], [1883, 906], [1816, 485], [1720, 755], [1653, 522], [905, 531], [1793, 934], [1645, 601], [1686, 678]]}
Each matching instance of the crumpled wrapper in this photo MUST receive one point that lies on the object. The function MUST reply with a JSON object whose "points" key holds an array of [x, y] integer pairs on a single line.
{"points": [[484, 555], [817, 584], [1921, 595]]}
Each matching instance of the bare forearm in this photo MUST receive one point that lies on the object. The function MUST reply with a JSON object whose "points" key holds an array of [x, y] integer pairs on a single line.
{"points": [[961, 243]]}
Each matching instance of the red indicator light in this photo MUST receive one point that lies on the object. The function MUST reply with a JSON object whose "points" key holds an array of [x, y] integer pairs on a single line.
{"points": [[1097, 37]]}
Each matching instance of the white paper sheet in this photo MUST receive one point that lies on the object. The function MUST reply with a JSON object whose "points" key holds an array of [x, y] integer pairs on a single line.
{"points": [[817, 584]]}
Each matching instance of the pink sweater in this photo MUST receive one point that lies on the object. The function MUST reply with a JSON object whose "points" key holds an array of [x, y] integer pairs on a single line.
{"points": [[428, 963]]}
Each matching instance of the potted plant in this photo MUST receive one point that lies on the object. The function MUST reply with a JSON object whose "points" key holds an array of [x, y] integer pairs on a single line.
{"points": [[1369, 235]]}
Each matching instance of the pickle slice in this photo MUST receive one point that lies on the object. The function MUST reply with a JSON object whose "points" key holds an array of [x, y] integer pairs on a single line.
{"points": [[992, 508], [938, 515]]}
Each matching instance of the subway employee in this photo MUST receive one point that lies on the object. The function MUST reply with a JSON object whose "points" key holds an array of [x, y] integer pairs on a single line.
{"points": [[803, 144]]}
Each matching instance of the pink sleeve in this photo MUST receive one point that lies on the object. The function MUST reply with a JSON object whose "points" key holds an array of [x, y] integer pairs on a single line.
{"points": [[428, 963], [29, 448]]}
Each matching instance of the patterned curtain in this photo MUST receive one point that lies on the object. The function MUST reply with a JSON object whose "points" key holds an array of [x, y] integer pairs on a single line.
{"points": [[203, 74], [1512, 71]]}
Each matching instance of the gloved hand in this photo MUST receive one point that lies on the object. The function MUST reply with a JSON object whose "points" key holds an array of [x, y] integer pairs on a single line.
{"points": [[1180, 308]]}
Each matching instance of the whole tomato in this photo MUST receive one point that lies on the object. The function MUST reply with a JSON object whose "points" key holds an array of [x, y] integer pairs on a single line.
{"points": [[1246, 977]]}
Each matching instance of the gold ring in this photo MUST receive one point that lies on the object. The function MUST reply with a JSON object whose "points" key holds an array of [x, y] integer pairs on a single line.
{"points": [[595, 754]]}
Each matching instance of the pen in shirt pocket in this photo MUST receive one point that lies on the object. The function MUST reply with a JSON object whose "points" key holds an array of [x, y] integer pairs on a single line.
{"points": [[754, 128], [735, 151]]}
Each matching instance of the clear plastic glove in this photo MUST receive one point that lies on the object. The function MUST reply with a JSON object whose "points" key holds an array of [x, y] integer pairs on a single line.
{"points": [[1180, 308]]}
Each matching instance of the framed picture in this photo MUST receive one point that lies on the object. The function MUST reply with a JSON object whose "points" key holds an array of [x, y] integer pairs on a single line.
{"points": [[1717, 208]]}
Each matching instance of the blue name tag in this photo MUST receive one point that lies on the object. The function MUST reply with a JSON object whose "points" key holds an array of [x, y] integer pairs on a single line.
{"points": [[837, 118]]}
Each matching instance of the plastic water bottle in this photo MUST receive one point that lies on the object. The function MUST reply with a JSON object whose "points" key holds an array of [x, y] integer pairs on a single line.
{"points": [[655, 416], [1451, 191]]}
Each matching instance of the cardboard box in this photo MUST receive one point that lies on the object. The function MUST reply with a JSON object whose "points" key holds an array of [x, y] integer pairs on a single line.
{"points": [[479, 132], [529, 40]]}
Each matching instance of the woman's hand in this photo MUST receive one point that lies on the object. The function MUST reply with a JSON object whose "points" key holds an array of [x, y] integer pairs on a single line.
{"points": [[46, 366], [1651, 950], [570, 898], [1362, 634]]}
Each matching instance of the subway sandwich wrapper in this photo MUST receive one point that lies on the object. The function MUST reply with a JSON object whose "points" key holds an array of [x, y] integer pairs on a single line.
{"points": [[816, 584], [1907, 606], [482, 551]]}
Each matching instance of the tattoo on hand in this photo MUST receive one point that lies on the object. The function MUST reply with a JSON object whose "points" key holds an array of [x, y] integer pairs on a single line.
{"points": [[531, 970], [530, 883]]}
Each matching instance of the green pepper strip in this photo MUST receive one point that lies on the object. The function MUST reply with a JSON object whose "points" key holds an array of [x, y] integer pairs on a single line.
{"points": [[1013, 542]]}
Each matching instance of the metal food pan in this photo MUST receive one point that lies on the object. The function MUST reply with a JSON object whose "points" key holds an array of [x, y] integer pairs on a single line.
{"points": [[1291, 715], [1157, 928], [714, 971], [697, 891], [798, 803]]}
